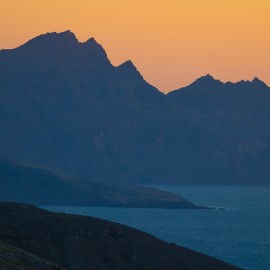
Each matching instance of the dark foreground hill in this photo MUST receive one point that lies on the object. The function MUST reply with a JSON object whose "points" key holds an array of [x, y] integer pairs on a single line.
{"points": [[65, 106], [79, 243], [12, 258], [21, 183]]}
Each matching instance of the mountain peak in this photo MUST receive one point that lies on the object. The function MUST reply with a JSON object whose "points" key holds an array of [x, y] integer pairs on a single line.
{"points": [[208, 76], [93, 44], [91, 41], [255, 83], [53, 39], [51, 49], [128, 68], [258, 82], [207, 80], [95, 52], [128, 64]]}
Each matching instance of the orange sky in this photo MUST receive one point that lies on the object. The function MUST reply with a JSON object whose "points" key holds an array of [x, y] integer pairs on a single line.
{"points": [[171, 42]]}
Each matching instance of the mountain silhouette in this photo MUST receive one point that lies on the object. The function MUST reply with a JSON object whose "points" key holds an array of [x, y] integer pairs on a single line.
{"points": [[63, 105]]}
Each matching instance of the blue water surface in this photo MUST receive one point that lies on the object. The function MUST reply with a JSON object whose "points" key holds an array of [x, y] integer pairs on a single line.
{"points": [[240, 234]]}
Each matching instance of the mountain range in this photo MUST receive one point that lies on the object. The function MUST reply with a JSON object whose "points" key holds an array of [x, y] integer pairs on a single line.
{"points": [[65, 107]]}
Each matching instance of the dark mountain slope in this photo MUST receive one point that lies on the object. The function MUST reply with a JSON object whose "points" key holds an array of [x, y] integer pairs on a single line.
{"points": [[77, 242], [12, 258], [37, 186]]}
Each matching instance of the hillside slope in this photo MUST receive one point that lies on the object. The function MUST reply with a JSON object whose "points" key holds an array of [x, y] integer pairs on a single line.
{"points": [[21, 183], [79, 243], [12, 258]]}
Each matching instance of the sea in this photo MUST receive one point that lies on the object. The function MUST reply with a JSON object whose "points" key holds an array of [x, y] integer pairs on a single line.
{"points": [[237, 231]]}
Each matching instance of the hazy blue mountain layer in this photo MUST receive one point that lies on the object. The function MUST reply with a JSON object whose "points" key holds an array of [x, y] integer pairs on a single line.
{"points": [[20, 183], [63, 105]]}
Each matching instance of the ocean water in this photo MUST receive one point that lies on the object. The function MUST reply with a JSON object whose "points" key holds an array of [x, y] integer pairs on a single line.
{"points": [[240, 234]]}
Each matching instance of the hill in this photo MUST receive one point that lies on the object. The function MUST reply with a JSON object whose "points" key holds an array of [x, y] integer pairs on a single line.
{"points": [[21, 183], [12, 258], [79, 243]]}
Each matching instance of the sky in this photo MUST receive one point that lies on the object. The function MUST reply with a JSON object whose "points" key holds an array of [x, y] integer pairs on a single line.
{"points": [[171, 42]]}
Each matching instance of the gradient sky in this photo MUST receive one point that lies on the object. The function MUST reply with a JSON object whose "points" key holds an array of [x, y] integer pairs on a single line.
{"points": [[171, 42]]}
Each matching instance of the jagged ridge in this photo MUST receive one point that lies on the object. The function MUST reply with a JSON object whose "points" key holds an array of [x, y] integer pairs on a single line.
{"points": [[67, 107]]}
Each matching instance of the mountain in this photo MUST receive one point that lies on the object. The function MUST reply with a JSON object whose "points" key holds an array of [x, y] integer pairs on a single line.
{"points": [[227, 130], [21, 183], [64, 106], [76, 242]]}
